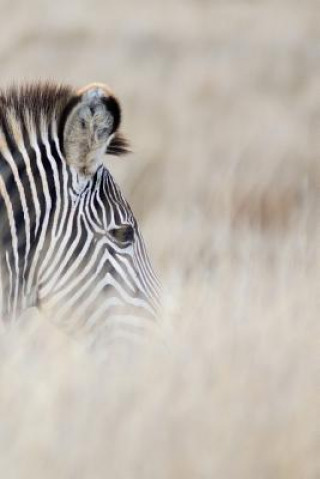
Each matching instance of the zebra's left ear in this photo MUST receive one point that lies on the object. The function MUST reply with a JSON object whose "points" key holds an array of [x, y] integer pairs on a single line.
{"points": [[89, 128]]}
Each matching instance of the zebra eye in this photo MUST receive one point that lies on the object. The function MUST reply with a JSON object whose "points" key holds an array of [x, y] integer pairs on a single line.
{"points": [[124, 234]]}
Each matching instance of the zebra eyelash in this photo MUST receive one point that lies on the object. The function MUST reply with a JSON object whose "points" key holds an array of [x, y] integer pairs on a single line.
{"points": [[118, 145]]}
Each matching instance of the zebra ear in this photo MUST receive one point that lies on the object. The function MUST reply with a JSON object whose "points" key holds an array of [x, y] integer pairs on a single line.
{"points": [[89, 127]]}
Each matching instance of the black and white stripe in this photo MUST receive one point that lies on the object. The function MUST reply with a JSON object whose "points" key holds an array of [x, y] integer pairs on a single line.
{"points": [[69, 241]]}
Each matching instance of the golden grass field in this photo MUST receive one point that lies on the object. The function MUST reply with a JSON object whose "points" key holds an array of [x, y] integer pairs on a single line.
{"points": [[221, 101]]}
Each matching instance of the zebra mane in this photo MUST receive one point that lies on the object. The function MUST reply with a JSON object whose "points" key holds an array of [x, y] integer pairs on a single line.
{"points": [[40, 100]]}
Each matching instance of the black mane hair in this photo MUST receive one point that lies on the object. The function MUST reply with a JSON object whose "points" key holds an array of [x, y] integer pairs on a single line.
{"points": [[38, 99]]}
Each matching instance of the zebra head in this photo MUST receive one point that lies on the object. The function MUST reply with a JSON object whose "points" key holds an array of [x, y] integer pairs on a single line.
{"points": [[70, 243]]}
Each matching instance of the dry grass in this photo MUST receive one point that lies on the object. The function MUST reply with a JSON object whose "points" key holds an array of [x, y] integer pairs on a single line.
{"points": [[221, 100]]}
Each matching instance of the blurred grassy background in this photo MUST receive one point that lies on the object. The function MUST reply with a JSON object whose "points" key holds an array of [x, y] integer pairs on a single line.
{"points": [[221, 103]]}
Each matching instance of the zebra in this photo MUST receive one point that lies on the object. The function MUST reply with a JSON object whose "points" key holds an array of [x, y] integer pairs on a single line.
{"points": [[69, 242]]}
